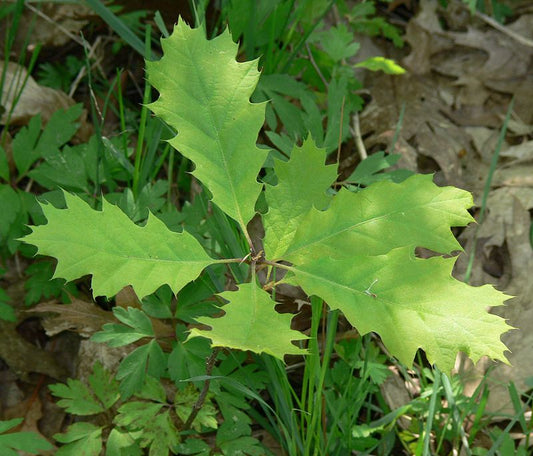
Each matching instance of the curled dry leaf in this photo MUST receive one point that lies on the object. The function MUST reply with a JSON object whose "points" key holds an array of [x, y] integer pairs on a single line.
{"points": [[51, 24], [83, 317], [481, 60], [35, 99]]}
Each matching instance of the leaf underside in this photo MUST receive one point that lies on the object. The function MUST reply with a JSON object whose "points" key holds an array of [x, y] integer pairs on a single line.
{"points": [[108, 245], [411, 303], [205, 95], [251, 323], [295, 195], [359, 256], [384, 216]]}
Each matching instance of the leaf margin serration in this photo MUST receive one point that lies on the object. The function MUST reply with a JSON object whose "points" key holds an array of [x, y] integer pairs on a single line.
{"points": [[371, 290], [259, 336], [243, 159], [51, 238]]}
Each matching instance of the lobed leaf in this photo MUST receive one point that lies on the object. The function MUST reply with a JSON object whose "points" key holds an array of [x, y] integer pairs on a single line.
{"points": [[76, 398], [158, 430], [295, 195], [13, 443], [184, 402], [251, 323], [81, 439], [121, 443], [146, 359], [30, 144], [411, 303], [104, 386], [385, 216], [108, 245], [204, 94], [139, 326]]}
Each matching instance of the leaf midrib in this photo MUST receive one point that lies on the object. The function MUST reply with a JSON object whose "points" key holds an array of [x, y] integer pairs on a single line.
{"points": [[352, 227], [129, 257], [240, 218]]}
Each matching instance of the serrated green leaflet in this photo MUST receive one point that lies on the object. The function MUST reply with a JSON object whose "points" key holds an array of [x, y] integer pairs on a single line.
{"points": [[104, 386], [411, 303], [251, 323], [184, 400], [384, 216], [79, 399], [80, 439], [139, 326], [108, 245], [158, 431], [295, 195], [146, 359], [13, 443], [76, 398], [204, 95]]}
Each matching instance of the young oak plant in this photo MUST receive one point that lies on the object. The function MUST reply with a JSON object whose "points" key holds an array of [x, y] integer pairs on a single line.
{"points": [[354, 250]]}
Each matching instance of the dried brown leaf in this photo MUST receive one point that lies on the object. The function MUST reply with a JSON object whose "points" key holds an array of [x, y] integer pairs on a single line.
{"points": [[83, 317]]}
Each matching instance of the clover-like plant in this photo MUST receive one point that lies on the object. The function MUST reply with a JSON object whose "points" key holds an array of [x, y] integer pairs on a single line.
{"points": [[354, 250]]}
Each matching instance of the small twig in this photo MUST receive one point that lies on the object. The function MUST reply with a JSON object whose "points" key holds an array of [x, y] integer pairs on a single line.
{"points": [[245, 258], [356, 132], [83, 70], [315, 66], [277, 265], [54, 23], [210, 363], [340, 134], [505, 30]]}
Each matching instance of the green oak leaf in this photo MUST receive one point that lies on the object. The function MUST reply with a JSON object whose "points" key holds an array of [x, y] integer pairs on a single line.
{"points": [[295, 195], [205, 95], [386, 215], [358, 254], [251, 323], [411, 303], [108, 245]]}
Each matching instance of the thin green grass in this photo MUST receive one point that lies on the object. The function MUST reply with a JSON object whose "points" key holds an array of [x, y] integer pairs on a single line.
{"points": [[142, 124], [16, 87], [119, 27], [486, 190]]}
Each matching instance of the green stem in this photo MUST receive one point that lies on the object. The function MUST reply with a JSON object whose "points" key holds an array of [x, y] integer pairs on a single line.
{"points": [[277, 265], [210, 363]]}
